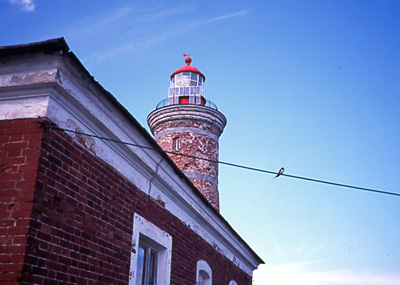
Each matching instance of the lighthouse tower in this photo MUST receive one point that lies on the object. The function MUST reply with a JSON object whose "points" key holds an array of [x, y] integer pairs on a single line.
{"points": [[187, 123]]}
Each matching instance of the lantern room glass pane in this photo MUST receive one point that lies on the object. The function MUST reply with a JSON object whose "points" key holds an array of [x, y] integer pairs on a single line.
{"points": [[186, 84]]}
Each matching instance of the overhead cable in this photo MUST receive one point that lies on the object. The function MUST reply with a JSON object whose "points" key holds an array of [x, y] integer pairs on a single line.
{"points": [[47, 124]]}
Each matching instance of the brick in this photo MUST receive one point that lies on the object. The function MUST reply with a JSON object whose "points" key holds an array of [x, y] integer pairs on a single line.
{"points": [[15, 137], [20, 214], [11, 153], [11, 175], [27, 186], [17, 258], [12, 249], [28, 167], [6, 240], [17, 230], [23, 222], [15, 145], [4, 258], [12, 267], [10, 161], [8, 189]]}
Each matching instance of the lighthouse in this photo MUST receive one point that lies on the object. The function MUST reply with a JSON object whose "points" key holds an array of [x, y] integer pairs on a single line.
{"points": [[188, 127]]}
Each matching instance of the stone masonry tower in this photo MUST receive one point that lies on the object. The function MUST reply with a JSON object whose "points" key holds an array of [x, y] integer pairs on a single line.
{"points": [[187, 123]]}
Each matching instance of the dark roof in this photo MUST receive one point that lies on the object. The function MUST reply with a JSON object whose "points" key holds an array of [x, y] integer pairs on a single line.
{"points": [[48, 46], [60, 45]]}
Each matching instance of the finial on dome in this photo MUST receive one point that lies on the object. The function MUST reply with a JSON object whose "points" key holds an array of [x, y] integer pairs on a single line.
{"points": [[188, 60]]}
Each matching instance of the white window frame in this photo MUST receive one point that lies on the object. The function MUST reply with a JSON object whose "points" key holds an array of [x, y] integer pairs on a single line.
{"points": [[203, 270], [147, 232]]}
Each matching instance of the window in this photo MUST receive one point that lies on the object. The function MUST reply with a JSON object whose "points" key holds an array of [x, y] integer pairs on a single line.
{"points": [[151, 254], [204, 274], [233, 282], [146, 265], [176, 144]]}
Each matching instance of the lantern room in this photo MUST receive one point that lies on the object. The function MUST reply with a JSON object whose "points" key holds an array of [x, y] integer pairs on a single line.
{"points": [[187, 86]]}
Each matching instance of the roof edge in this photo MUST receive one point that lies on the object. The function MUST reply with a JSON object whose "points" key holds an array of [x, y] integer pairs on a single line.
{"points": [[47, 46]]}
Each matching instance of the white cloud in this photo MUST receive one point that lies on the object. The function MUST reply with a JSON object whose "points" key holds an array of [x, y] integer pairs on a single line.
{"points": [[26, 5], [159, 13], [132, 29], [300, 248], [106, 24], [223, 17], [301, 273]]}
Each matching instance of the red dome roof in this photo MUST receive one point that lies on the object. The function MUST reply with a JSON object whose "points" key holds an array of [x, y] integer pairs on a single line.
{"points": [[188, 68]]}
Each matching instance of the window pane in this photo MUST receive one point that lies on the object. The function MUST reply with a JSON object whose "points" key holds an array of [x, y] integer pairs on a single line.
{"points": [[152, 267], [140, 265]]}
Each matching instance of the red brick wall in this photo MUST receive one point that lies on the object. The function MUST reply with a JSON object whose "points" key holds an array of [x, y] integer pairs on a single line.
{"points": [[81, 219], [20, 142]]}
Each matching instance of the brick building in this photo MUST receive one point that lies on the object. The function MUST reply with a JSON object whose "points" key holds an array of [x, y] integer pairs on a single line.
{"points": [[77, 209]]}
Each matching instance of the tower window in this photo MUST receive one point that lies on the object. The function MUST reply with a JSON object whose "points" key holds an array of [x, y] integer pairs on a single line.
{"points": [[176, 144]]}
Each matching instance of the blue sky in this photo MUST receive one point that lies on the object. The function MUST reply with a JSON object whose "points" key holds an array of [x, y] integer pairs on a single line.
{"points": [[312, 86]]}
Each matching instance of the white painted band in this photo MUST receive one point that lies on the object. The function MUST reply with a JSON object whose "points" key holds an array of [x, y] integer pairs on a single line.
{"points": [[196, 175]]}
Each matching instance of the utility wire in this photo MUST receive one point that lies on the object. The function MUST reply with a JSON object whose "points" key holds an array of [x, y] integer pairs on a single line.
{"points": [[47, 124]]}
